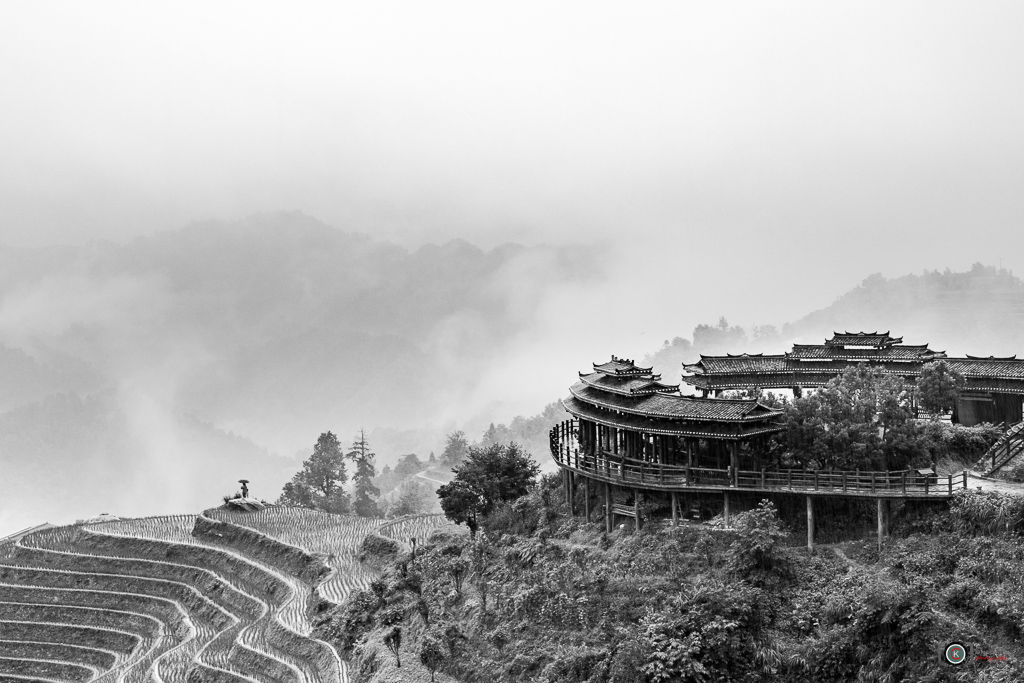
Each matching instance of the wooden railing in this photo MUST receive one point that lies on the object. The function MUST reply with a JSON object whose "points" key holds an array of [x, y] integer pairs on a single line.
{"points": [[616, 468], [1009, 446]]}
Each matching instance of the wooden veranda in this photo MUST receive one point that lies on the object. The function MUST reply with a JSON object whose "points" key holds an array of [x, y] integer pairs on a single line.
{"points": [[610, 470]]}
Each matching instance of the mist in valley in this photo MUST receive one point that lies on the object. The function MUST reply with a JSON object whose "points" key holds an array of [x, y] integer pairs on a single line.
{"points": [[228, 229]]}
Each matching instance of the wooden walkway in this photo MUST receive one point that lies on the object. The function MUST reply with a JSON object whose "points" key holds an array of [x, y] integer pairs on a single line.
{"points": [[616, 471], [613, 468]]}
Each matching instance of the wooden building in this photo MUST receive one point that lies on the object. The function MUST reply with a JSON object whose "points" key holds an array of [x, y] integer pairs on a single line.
{"points": [[994, 386], [633, 436], [625, 413]]}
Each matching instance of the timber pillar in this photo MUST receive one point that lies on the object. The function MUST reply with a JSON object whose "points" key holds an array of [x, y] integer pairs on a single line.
{"points": [[883, 520], [636, 508], [810, 524], [608, 508], [586, 498], [675, 510], [725, 508], [572, 493]]}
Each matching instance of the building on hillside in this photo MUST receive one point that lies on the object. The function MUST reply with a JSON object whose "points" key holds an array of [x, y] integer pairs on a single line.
{"points": [[646, 446], [994, 386], [627, 412]]}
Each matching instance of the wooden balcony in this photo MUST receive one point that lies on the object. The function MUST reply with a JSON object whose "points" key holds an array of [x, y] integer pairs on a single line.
{"points": [[617, 469]]}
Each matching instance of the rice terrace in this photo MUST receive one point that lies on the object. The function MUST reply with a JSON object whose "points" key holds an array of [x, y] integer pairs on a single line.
{"points": [[339, 582], [219, 596], [307, 322]]}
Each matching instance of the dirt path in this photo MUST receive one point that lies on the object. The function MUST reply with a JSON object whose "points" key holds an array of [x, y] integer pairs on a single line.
{"points": [[975, 481]]}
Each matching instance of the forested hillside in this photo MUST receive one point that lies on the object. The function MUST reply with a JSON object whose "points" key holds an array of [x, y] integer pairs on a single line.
{"points": [[540, 596], [978, 312], [145, 358]]}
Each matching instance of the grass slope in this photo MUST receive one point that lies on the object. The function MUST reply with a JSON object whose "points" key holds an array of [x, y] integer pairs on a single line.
{"points": [[544, 598]]}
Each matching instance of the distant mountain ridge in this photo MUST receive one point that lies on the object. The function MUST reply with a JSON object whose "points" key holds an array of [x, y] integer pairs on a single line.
{"points": [[276, 327], [977, 312]]}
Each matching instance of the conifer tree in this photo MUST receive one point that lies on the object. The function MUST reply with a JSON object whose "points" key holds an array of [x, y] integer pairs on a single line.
{"points": [[365, 499], [455, 449], [320, 483]]}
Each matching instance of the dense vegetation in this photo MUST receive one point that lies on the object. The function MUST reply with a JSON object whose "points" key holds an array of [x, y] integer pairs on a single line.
{"points": [[539, 596], [488, 477], [320, 484], [865, 419]]}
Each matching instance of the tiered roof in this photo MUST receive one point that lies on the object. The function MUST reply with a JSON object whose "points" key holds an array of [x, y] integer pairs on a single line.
{"points": [[813, 364], [875, 339], [740, 363], [628, 385], [988, 368], [872, 347], [668, 425], [620, 367], [619, 393], [674, 406], [887, 353]]}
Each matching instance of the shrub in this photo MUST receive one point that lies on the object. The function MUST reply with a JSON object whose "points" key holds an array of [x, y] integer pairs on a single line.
{"points": [[961, 593], [486, 478], [520, 517], [986, 512], [378, 550], [393, 641], [704, 633], [576, 665], [432, 654], [758, 543], [627, 662], [355, 620]]}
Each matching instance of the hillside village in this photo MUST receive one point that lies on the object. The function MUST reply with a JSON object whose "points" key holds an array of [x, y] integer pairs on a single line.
{"points": [[473, 564]]}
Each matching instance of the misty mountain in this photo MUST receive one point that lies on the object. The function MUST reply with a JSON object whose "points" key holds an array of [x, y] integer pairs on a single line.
{"points": [[977, 312], [276, 327]]}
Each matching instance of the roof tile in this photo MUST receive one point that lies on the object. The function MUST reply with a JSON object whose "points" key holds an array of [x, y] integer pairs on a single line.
{"points": [[673, 406]]}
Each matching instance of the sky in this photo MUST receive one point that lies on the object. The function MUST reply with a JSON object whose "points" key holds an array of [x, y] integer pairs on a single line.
{"points": [[754, 144], [752, 160]]}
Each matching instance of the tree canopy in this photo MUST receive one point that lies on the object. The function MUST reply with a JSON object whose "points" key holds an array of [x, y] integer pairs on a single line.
{"points": [[409, 464], [413, 499], [860, 419], [366, 493], [455, 449], [320, 483], [938, 387], [488, 476]]}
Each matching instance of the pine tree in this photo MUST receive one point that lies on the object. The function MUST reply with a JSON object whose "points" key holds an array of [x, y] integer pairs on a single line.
{"points": [[455, 449], [490, 436], [320, 483], [364, 503]]}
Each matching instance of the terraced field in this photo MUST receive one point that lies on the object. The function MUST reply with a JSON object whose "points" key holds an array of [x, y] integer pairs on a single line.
{"points": [[333, 537], [219, 597]]}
